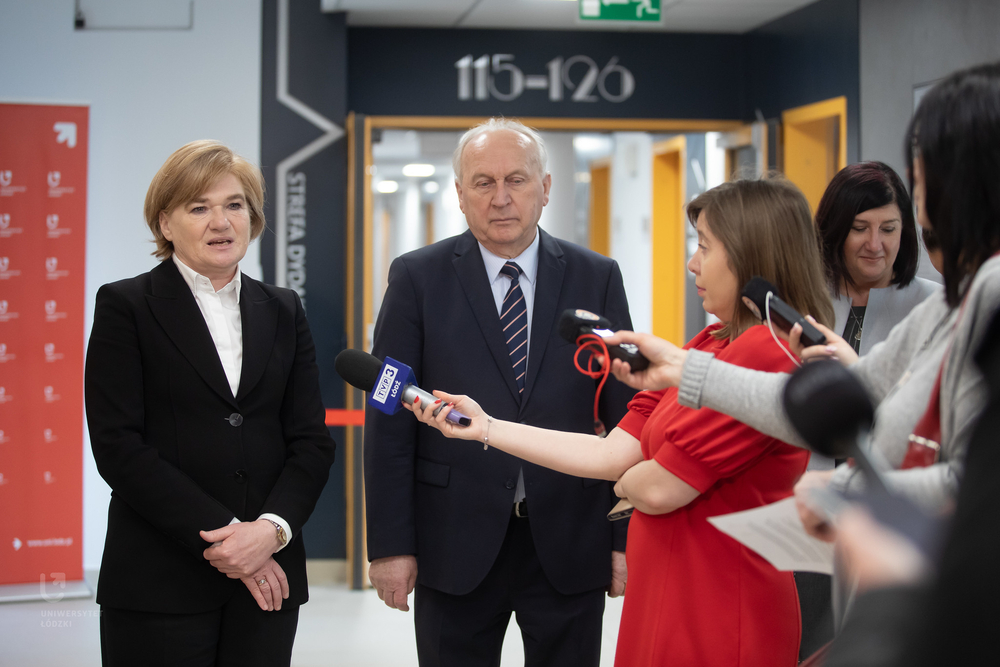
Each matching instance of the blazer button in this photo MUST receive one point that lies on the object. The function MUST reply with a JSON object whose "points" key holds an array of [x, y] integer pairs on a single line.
{"points": [[510, 484], [241, 476], [235, 419]]}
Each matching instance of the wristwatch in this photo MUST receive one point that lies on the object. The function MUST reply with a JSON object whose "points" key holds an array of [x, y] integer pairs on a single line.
{"points": [[282, 537]]}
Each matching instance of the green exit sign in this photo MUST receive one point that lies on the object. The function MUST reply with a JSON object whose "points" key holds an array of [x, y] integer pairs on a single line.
{"points": [[619, 10]]}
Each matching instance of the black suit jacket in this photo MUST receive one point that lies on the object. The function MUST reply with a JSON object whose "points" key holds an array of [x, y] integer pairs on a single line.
{"points": [[182, 454], [448, 501]]}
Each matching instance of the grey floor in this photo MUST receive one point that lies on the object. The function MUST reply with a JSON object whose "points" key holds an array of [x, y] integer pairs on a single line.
{"points": [[337, 627]]}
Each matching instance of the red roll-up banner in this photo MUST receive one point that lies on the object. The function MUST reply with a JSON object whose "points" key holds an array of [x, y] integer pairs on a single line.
{"points": [[43, 208]]}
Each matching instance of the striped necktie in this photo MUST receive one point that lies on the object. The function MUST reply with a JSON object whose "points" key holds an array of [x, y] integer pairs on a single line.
{"points": [[514, 321]]}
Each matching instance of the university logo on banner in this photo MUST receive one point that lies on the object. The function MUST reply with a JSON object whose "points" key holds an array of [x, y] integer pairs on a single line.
{"points": [[54, 178], [51, 354], [52, 271], [52, 312], [6, 312], [7, 229], [43, 188], [7, 187], [6, 271], [53, 230]]}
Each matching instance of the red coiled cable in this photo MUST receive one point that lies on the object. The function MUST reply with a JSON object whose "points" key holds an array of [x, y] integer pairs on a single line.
{"points": [[595, 345]]}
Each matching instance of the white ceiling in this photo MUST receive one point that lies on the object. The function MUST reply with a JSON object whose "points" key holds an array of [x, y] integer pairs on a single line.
{"points": [[730, 16]]}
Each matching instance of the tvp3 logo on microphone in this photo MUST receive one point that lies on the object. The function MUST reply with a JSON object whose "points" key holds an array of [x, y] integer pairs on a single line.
{"points": [[387, 395]]}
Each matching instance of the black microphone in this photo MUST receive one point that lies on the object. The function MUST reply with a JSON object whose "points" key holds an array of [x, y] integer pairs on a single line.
{"points": [[578, 322], [831, 410], [784, 316], [389, 383]]}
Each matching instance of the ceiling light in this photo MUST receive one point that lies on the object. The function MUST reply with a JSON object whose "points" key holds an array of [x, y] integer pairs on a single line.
{"points": [[418, 170], [387, 187], [590, 143], [430, 187]]}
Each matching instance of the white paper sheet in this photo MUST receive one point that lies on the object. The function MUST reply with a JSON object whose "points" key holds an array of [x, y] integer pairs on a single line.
{"points": [[775, 532]]}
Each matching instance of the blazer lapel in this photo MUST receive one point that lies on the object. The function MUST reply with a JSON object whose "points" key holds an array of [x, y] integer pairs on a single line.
{"points": [[472, 277], [548, 285], [259, 313], [178, 314]]}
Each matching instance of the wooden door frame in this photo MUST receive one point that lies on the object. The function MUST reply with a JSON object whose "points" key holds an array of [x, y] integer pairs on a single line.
{"points": [[359, 285], [833, 108], [668, 238]]}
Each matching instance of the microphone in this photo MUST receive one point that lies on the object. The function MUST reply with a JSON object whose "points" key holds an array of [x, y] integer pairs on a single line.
{"points": [[574, 323], [755, 297], [389, 384], [831, 410]]}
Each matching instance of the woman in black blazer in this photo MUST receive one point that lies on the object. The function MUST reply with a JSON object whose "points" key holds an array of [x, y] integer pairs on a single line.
{"points": [[206, 420]]}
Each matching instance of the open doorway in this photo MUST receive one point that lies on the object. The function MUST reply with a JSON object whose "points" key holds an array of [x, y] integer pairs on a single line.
{"points": [[604, 196]]}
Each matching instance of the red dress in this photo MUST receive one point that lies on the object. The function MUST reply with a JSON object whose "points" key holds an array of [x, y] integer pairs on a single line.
{"points": [[695, 596]]}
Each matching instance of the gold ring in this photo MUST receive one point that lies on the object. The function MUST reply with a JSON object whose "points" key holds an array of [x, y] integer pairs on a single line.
{"points": [[261, 581]]}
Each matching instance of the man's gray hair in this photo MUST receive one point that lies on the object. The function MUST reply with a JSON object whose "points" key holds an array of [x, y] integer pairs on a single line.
{"points": [[539, 157]]}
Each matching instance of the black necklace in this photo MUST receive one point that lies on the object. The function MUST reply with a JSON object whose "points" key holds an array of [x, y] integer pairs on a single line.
{"points": [[859, 320]]}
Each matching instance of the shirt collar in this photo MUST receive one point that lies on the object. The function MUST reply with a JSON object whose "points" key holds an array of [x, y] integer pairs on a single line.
{"points": [[199, 283], [527, 260]]}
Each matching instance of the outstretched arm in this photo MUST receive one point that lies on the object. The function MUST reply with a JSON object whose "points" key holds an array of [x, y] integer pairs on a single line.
{"points": [[571, 453]]}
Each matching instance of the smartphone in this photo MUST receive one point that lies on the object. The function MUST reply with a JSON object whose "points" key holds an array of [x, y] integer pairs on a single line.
{"points": [[622, 510]]}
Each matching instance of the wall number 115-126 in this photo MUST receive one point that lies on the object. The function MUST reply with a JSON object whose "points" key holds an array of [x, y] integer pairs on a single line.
{"points": [[478, 79]]}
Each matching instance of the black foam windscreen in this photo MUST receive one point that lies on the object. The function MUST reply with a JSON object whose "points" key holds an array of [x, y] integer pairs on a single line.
{"points": [[573, 323], [756, 290], [828, 406], [358, 368]]}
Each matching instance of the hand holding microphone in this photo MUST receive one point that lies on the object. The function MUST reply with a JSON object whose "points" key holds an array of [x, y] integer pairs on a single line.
{"points": [[665, 361], [391, 385], [808, 339], [436, 414]]}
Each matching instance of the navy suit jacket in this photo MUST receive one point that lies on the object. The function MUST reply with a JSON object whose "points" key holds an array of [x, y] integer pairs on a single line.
{"points": [[449, 502], [182, 454]]}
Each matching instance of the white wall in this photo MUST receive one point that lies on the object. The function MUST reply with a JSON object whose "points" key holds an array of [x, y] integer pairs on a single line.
{"points": [[908, 43], [559, 215], [631, 215], [149, 92]]}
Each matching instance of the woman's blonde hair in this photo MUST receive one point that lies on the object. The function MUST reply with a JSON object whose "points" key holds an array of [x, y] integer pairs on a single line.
{"points": [[189, 172], [767, 230]]}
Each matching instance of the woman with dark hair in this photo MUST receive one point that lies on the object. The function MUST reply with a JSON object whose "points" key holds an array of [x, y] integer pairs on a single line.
{"points": [[695, 596], [870, 250]]}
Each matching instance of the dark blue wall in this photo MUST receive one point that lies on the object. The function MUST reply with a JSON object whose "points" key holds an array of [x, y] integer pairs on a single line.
{"points": [[412, 72], [807, 56], [317, 75]]}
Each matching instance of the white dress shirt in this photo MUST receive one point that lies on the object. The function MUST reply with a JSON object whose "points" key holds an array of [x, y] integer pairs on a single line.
{"points": [[500, 283], [221, 310]]}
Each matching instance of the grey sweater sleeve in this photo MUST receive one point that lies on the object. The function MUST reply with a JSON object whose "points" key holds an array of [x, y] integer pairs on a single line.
{"points": [[934, 488], [752, 397]]}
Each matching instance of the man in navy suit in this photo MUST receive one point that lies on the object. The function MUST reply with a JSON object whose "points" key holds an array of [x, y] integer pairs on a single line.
{"points": [[492, 534]]}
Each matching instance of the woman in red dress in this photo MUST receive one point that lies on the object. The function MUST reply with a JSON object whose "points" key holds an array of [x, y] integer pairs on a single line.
{"points": [[695, 595]]}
